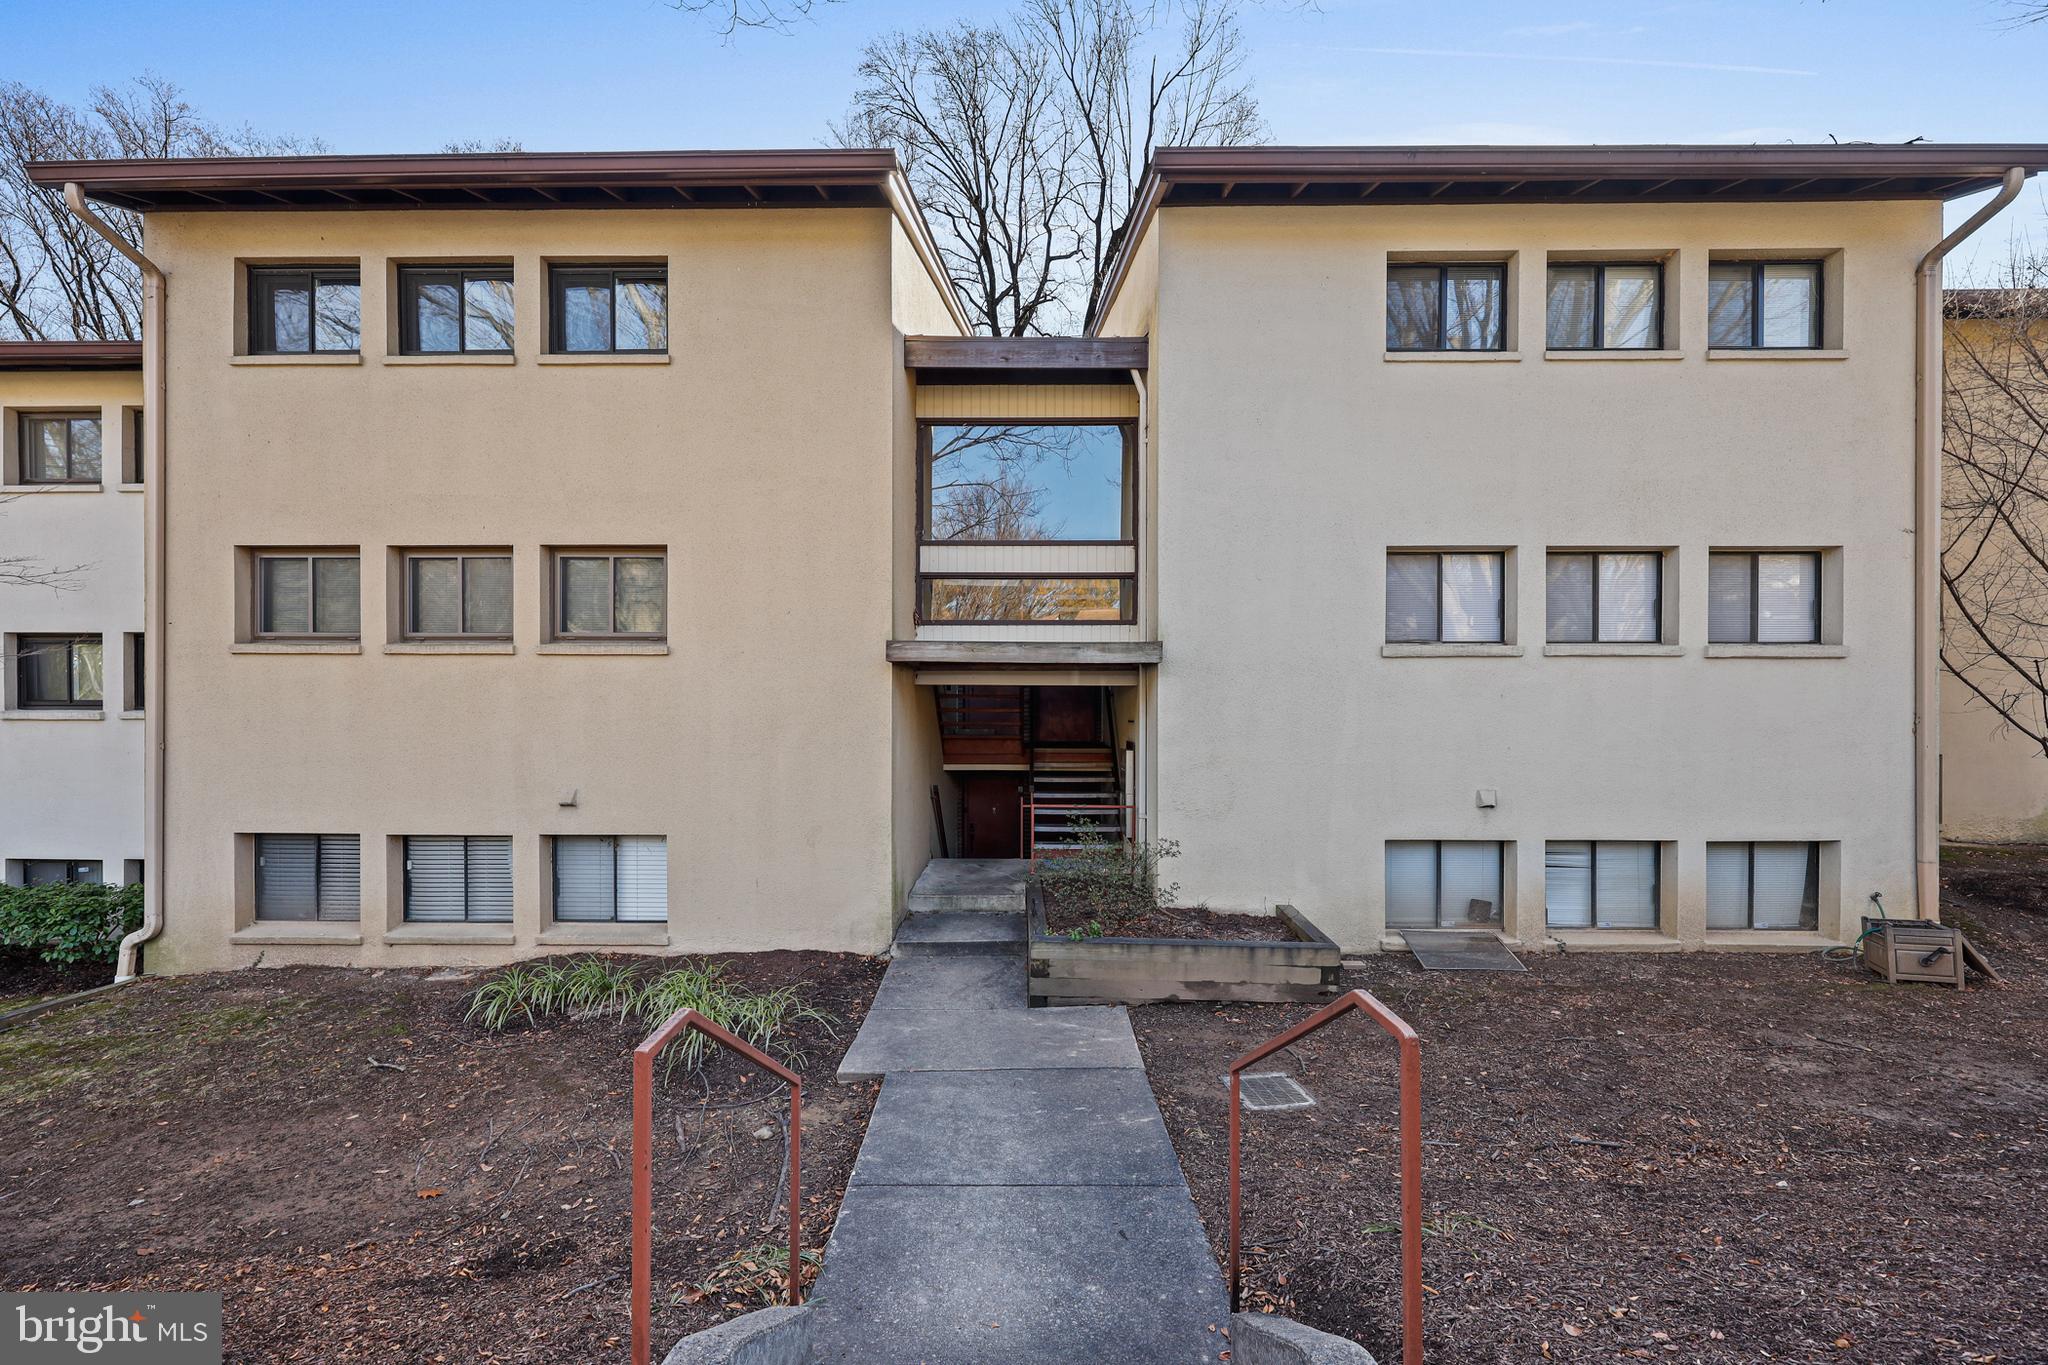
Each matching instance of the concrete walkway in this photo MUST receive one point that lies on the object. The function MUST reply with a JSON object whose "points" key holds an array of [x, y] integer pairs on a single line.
{"points": [[1016, 1198]]}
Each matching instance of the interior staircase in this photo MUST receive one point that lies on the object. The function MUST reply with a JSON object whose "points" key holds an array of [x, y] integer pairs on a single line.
{"points": [[1074, 776]]}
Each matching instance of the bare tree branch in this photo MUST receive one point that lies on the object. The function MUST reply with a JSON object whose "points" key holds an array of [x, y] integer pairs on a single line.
{"points": [[731, 16]]}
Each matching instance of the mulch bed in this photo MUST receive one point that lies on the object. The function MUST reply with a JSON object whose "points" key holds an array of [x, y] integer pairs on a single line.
{"points": [[227, 1132], [25, 978], [1693, 1157], [1174, 922]]}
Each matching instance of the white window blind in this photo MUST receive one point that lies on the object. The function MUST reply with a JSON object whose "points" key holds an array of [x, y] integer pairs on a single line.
{"points": [[1471, 598], [643, 879], [1728, 599], [1411, 883], [1625, 885], [452, 878], [1469, 871], [1727, 886], [1569, 590], [1628, 598], [586, 885], [308, 876], [1784, 876], [1568, 884], [1411, 598], [1785, 596]]}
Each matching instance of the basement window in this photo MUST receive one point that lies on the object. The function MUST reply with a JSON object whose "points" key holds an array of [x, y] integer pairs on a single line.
{"points": [[456, 879], [1763, 886], [308, 876], [1600, 884], [611, 878], [1443, 883]]}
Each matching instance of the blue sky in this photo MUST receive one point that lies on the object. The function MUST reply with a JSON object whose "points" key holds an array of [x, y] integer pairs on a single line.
{"points": [[374, 75]]}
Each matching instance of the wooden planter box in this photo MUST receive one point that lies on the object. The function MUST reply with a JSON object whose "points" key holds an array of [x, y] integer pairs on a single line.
{"points": [[1137, 971]]}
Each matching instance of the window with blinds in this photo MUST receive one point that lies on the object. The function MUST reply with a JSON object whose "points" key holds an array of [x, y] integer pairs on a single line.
{"points": [[1606, 597], [456, 878], [1600, 884], [1445, 598], [1763, 598], [308, 876], [1439, 883], [611, 878], [1763, 886]]}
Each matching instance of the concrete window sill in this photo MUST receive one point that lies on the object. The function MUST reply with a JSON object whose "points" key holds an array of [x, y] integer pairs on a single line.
{"points": [[296, 647], [1618, 354], [602, 358], [602, 647], [605, 935], [1612, 941], [1768, 940], [488, 935], [465, 358], [451, 647], [1612, 651], [37, 489], [129, 487], [1451, 357], [1764, 353], [303, 358], [1777, 651], [132, 715], [1451, 651], [53, 713], [309, 932]]}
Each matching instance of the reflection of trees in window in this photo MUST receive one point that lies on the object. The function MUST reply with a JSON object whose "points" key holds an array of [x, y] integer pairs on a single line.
{"points": [[990, 482], [1024, 599]]}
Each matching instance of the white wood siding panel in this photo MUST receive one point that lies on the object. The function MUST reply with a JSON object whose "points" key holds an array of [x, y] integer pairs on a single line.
{"points": [[1065, 561]]}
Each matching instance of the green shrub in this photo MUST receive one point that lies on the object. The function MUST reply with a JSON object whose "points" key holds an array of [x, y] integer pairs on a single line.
{"points": [[69, 924], [1107, 880]]}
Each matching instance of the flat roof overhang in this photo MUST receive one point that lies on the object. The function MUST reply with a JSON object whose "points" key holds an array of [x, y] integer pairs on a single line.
{"points": [[70, 355], [1028, 654], [802, 178], [1025, 360]]}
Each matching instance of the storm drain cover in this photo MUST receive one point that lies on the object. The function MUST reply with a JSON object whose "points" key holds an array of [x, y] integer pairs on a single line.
{"points": [[1265, 1091]]}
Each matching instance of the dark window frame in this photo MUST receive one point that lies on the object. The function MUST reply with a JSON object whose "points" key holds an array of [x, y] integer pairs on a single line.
{"points": [[1500, 852], [405, 888], [258, 587], [559, 278], [560, 612], [263, 325], [1127, 599], [1817, 340], [24, 648], [319, 876], [133, 658], [72, 869], [1437, 623], [1806, 911], [1132, 480], [1656, 924], [555, 876], [412, 277], [1599, 268], [1755, 558], [1443, 306], [30, 420], [1656, 601], [409, 619]]}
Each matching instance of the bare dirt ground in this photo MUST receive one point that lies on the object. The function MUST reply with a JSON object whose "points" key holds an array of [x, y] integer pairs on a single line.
{"points": [[1698, 1157], [26, 978], [228, 1132]]}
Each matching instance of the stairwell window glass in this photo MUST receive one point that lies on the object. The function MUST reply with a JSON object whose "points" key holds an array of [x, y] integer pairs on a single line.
{"points": [[620, 596], [309, 596], [1763, 597], [611, 877], [1446, 598], [1447, 307], [994, 601], [455, 878], [1028, 483], [1605, 306], [60, 672], [599, 309], [1600, 884], [305, 309], [1605, 597], [1763, 886], [60, 448], [1442, 883]]}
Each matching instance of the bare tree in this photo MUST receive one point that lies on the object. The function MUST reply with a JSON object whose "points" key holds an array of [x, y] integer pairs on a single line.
{"points": [[1025, 141], [471, 146], [58, 279], [733, 15], [1995, 497]]}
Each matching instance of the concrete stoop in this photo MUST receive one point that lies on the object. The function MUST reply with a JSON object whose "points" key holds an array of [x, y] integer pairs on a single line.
{"points": [[936, 933], [982, 884]]}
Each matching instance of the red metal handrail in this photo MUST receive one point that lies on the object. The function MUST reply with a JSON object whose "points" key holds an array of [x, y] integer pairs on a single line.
{"points": [[1411, 1151], [643, 1161]]}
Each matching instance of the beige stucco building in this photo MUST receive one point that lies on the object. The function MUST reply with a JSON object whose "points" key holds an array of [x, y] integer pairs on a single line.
{"points": [[629, 551]]}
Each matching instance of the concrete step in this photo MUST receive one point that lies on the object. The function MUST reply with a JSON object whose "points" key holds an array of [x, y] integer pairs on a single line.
{"points": [[897, 1040], [995, 884], [955, 981], [939, 932]]}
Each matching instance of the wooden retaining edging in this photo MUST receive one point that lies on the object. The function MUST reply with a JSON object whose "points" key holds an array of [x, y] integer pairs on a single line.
{"points": [[1138, 971]]}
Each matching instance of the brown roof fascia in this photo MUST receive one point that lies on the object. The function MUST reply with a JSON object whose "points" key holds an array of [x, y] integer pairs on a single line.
{"points": [[70, 355]]}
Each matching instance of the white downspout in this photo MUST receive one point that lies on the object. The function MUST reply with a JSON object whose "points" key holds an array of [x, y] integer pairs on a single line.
{"points": [[154, 293], [1927, 468], [1141, 795]]}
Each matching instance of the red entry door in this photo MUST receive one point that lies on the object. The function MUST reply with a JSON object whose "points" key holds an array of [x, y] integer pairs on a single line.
{"points": [[995, 816]]}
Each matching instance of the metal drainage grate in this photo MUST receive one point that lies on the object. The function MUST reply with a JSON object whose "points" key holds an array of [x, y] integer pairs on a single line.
{"points": [[1265, 1091]]}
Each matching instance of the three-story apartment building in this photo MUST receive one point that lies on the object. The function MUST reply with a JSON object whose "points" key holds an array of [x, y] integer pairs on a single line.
{"points": [[71, 601], [631, 551]]}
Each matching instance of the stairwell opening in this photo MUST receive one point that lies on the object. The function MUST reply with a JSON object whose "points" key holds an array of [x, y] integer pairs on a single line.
{"points": [[1037, 769]]}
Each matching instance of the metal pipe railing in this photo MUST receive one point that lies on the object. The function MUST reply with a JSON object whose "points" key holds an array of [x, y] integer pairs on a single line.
{"points": [[1032, 809], [683, 1021], [1411, 1151]]}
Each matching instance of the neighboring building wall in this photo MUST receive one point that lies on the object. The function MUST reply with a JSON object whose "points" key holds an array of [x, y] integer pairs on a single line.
{"points": [[1290, 454], [71, 784], [759, 742]]}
